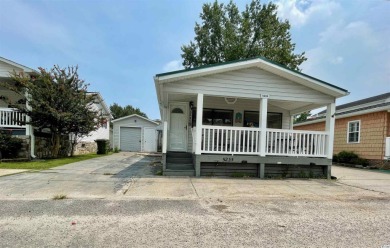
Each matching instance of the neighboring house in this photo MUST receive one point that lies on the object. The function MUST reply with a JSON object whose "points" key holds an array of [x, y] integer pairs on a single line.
{"points": [[36, 143], [87, 144], [135, 133], [236, 118], [10, 117], [362, 126]]}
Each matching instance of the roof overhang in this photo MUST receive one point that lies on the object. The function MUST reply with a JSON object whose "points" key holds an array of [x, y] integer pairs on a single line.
{"points": [[262, 63], [102, 102], [345, 115], [22, 67], [135, 115]]}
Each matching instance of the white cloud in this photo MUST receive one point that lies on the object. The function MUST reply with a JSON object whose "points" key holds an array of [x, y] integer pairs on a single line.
{"points": [[299, 12], [173, 65]]}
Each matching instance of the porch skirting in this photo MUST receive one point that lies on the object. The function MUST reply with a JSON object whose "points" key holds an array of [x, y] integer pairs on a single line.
{"points": [[263, 167]]}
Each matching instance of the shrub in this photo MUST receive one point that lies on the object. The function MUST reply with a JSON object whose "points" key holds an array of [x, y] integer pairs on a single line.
{"points": [[9, 146], [116, 150], [102, 146], [335, 158], [347, 157], [361, 161]]}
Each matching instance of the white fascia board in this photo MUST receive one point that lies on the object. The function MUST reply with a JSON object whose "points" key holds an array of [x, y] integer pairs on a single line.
{"points": [[207, 71], [362, 106], [102, 102], [367, 111], [24, 68], [135, 115]]}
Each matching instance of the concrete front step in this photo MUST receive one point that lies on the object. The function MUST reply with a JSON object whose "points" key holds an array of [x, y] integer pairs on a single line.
{"points": [[188, 173], [179, 155], [171, 160], [180, 166]]}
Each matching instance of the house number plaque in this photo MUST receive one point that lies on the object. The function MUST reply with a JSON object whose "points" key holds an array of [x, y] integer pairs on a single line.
{"points": [[227, 159]]}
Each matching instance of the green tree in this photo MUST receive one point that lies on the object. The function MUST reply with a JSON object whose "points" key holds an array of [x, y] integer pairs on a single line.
{"points": [[301, 117], [57, 100], [225, 34], [118, 111]]}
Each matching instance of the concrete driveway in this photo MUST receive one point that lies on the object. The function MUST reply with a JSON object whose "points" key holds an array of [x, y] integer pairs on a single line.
{"points": [[94, 178], [132, 176], [364, 179]]}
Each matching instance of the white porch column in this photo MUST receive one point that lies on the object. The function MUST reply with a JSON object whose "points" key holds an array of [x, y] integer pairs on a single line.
{"points": [[199, 118], [263, 125], [329, 128], [291, 122], [30, 129]]}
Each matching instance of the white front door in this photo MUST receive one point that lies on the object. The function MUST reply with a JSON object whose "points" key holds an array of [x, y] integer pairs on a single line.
{"points": [[178, 127], [150, 142]]}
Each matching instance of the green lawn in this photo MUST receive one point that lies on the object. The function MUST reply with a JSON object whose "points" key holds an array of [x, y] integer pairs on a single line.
{"points": [[47, 163]]}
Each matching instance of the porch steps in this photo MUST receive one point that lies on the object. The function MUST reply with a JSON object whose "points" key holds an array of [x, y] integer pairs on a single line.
{"points": [[179, 164]]}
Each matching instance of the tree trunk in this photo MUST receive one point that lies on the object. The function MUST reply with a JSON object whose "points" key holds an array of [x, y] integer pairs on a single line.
{"points": [[56, 145]]}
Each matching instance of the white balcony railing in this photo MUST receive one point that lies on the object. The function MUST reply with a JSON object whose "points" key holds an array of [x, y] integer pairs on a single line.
{"points": [[279, 142], [11, 118], [230, 140], [296, 143]]}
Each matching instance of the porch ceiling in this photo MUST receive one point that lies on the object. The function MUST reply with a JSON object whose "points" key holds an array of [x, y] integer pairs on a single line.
{"points": [[292, 106]]}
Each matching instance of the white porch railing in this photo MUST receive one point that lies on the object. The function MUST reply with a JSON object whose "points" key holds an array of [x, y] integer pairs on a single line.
{"points": [[296, 143], [11, 118], [230, 140], [279, 142]]}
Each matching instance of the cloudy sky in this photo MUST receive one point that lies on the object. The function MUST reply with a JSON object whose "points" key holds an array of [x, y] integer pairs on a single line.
{"points": [[120, 45]]}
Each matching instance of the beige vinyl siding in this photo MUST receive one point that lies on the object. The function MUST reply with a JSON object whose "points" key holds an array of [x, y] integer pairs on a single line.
{"points": [[129, 122], [248, 83]]}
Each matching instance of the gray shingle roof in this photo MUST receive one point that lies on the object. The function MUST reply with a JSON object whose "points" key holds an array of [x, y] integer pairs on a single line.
{"points": [[360, 102]]}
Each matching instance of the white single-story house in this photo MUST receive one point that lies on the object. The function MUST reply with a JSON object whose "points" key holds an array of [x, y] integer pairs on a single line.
{"points": [[135, 133], [236, 118]]}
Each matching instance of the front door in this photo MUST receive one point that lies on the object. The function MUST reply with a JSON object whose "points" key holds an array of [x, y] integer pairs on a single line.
{"points": [[178, 127]]}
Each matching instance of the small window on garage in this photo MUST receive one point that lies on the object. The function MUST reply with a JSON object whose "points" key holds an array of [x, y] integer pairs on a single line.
{"points": [[353, 132]]}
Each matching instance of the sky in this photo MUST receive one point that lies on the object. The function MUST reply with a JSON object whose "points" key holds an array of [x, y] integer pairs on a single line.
{"points": [[120, 45]]}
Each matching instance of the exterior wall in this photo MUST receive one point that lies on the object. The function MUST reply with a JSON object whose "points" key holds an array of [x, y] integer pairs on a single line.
{"points": [[248, 83], [129, 122], [374, 127]]}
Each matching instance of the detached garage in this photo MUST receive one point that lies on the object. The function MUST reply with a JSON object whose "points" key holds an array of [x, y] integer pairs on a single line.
{"points": [[135, 133]]}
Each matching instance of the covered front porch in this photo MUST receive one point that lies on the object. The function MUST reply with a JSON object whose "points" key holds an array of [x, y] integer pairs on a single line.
{"points": [[248, 131]]}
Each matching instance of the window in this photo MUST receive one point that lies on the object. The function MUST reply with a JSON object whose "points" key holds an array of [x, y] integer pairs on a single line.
{"points": [[354, 132], [215, 117], [274, 120]]}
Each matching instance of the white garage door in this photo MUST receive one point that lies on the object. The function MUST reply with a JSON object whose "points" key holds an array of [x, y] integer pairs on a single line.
{"points": [[130, 138]]}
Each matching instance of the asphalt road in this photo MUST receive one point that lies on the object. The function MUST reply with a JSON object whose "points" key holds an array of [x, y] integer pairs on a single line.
{"points": [[117, 201], [358, 222]]}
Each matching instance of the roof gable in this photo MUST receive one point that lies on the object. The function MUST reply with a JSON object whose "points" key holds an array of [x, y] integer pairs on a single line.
{"points": [[135, 115], [258, 62]]}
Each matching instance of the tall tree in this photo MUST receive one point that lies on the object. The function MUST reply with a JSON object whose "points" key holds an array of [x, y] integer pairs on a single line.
{"points": [[57, 100], [301, 117], [225, 34], [118, 111]]}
